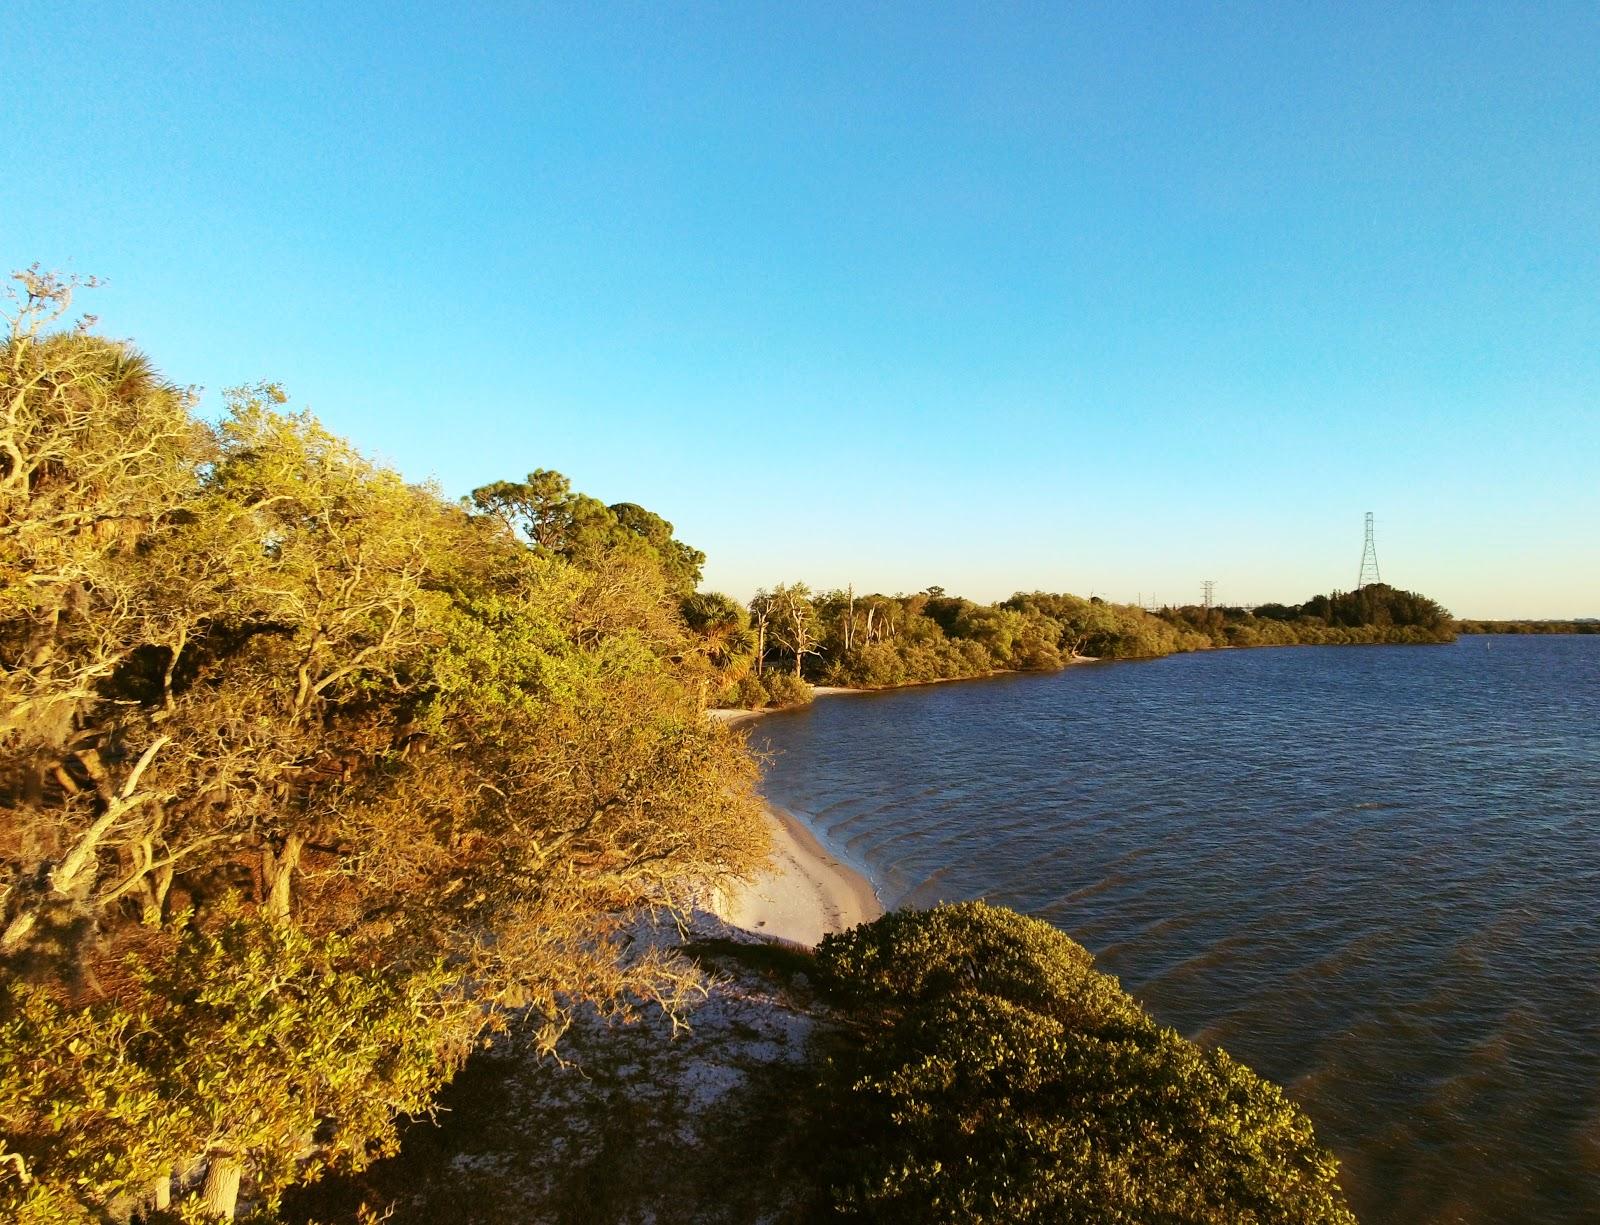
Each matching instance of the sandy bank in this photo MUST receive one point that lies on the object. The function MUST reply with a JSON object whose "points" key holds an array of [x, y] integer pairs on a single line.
{"points": [[804, 895], [730, 716], [806, 892]]}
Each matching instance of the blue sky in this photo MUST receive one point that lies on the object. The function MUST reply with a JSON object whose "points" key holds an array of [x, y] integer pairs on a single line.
{"points": [[1109, 297]]}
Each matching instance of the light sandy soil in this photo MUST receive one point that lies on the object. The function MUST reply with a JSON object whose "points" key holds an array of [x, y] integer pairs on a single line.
{"points": [[730, 716], [695, 1122], [806, 894]]}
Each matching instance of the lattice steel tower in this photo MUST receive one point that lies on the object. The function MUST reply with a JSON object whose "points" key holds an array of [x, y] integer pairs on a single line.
{"points": [[1369, 559]]}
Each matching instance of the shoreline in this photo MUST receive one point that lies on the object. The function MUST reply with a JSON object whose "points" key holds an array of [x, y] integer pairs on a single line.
{"points": [[805, 893]]}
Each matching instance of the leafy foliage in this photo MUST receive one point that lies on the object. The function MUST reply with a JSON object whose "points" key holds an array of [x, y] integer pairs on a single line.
{"points": [[999, 1077], [1581, 626], [250, 1040], [561, 523], [876, 641], [307, 776]]}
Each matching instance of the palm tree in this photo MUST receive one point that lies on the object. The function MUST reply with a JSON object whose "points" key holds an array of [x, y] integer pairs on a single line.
{"points": [[721, 628]]}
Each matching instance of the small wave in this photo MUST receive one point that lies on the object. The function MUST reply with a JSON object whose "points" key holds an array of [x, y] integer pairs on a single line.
{"points": [[1394, 909]]}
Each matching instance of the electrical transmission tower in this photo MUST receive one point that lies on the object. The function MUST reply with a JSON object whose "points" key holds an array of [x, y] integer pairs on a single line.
{"points": [[1209, 588], [1369, 559]]}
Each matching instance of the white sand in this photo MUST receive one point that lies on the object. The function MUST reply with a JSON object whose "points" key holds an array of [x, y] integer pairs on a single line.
{"points": [[732, 716], [804, 895]]}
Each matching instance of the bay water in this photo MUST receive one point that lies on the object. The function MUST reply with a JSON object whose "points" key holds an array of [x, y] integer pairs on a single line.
{"points": [[1372, 873]]}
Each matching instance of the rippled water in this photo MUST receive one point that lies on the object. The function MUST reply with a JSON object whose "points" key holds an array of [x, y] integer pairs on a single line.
{"points": [[1373, 873]]}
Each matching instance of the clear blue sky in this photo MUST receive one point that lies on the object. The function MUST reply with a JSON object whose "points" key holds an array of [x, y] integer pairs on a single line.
{"points": [[1097, 297]]}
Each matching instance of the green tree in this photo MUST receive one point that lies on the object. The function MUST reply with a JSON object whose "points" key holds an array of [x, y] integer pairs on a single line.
{"points": [[560, 522], [721, 627], [789, 620], [999, 1077], [248, 1048], [680, 562], [293, 753]]}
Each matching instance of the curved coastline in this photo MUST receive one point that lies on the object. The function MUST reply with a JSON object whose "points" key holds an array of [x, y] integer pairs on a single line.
{"points": [[806, 892]]}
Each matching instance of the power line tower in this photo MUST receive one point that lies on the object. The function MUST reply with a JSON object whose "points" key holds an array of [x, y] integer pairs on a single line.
{"points": [[1369, 559], [1209, 588]]}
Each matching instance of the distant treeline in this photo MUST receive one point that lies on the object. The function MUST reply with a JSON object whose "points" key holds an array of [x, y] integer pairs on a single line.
{"points": [[1586, 626], [791, 635]]}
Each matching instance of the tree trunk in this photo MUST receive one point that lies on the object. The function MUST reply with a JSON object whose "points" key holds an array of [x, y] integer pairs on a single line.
{"points": [[220, 1197], [174, 652], [72, 877], [155, 890], [280, 875]]}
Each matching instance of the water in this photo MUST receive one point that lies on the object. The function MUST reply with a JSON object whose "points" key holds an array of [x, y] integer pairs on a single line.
{"points": [[1373, 873]]}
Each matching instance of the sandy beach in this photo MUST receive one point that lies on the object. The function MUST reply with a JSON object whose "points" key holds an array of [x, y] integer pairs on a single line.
{"points": [[806, 893]]}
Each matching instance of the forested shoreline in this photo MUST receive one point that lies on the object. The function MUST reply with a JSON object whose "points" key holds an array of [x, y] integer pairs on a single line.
{"points": [[312, 781], [1476, 626], [791, 635]]}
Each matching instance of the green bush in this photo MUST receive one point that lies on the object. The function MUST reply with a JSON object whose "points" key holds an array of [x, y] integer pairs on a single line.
{"points": [[1000, 1078], [785, 689], [748, 693], [770, 690], [254, 1043], [914, 957]]}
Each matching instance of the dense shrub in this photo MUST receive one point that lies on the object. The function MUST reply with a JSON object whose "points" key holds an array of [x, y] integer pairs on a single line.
{"points": [[771, 690], [999, 1077], [875, 665], [317, 1049], [785, 689]]}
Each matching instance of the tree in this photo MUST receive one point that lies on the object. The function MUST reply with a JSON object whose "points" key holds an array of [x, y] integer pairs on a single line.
{"points": [[239, 1045], [543, 508], [680, 562], [720, 629], [306, 777], [999, 1077], [787, 616], [99, 473], [546, 511]]}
